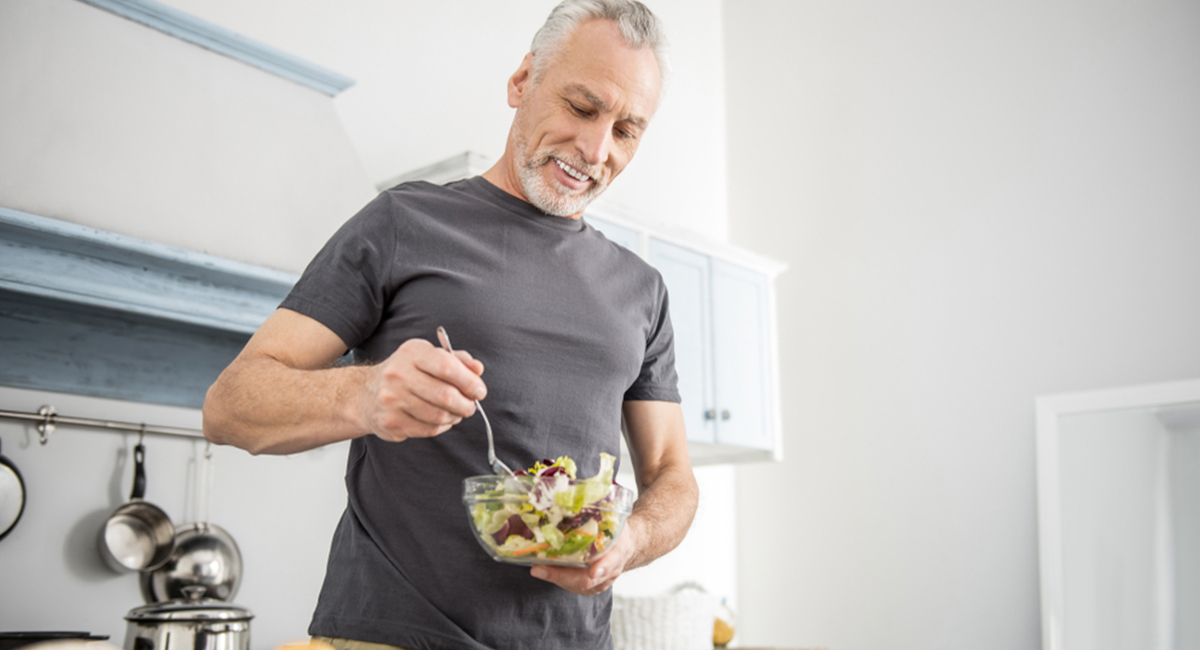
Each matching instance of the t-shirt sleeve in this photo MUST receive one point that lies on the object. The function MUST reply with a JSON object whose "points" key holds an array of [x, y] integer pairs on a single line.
{"points": [[345, 286], [657, 380]]}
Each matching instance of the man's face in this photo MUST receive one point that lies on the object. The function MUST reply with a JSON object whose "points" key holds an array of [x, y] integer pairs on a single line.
{"points": [[578, 126]]}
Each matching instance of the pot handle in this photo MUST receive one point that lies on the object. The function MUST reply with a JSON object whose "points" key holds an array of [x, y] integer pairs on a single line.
{"points": [[139, 472], [194, 593]]}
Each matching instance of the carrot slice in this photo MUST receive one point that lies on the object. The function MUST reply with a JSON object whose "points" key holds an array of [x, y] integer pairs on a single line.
{"points": [[531, 549]]}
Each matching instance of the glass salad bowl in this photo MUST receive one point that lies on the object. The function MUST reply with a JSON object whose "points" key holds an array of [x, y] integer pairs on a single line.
{"points": [[545, 516]]}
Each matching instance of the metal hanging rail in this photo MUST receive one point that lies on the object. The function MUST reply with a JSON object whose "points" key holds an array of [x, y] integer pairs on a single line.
{"points": [[47, 419]]}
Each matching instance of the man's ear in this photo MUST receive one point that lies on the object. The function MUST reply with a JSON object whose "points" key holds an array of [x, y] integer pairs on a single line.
{"points": [[519, 82]]}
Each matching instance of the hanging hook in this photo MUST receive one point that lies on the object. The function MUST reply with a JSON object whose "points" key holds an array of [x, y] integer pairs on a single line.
{"points": [[46, 426], [208, 450], [142, 433]]}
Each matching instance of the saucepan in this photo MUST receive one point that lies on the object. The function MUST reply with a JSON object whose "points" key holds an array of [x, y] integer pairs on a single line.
{"points": [[12, 496], [206, 557], [138, 536], [191, 622]]}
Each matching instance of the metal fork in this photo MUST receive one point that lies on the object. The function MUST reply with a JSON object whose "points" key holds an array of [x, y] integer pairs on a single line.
{"points": [[497, 465]]}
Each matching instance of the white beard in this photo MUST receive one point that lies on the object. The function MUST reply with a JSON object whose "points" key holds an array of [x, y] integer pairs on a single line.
{"points": [[549, 196]]}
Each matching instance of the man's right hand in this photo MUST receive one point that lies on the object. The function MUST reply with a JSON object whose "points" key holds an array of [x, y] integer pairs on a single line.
{"points": [[421, 391]]}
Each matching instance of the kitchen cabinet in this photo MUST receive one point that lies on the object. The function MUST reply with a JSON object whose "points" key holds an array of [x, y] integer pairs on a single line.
{"points": [[722, 312], [742, 353], [723, 315], [687, 275]]}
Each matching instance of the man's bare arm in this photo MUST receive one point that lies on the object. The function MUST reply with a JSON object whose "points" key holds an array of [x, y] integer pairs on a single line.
{"points": [[282, 395], [666, 504], [667, 490]]}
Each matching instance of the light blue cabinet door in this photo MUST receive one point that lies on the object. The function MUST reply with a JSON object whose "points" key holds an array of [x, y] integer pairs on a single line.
{"points": [[686, 274], [627, 237], [740, 356]]}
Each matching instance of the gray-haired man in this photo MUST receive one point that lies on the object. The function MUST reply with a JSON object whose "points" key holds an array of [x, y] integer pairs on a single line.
{"points": [[575, 331]]}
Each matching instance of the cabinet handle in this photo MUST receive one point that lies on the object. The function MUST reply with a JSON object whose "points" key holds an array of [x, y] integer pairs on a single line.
{"points": [[724, 415], [710, 415]]}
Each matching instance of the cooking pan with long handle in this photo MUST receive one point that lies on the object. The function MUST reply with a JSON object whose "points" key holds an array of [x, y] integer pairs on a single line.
{"points": [[138, 536]]}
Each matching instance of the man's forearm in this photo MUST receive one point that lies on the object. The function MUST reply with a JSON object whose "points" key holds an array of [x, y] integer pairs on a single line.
{"points": [[662, 515], [667, 491], [263, 406]]}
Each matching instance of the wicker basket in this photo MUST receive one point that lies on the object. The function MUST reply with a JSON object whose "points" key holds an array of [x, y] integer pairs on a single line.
{"points": [[680, 620]]}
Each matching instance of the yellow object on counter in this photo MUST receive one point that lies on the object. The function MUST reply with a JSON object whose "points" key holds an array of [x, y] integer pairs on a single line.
{"points": [[722, 633]]}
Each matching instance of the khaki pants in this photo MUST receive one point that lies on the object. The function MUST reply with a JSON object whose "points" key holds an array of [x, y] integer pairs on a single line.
{"points": [[351, 644]]}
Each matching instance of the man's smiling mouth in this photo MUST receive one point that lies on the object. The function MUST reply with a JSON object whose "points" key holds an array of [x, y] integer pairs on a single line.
{"points": [[572, 172]]}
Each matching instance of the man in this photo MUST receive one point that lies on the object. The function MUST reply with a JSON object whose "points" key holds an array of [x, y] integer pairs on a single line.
{"points": [[575, 331]]}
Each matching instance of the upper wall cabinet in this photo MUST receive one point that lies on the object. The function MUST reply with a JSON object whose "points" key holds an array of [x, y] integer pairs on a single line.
{"points": [[723, 314], [688, 276]]}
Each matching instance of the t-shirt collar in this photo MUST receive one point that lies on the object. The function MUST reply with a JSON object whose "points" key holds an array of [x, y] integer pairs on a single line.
{"points": [[523, 208]]}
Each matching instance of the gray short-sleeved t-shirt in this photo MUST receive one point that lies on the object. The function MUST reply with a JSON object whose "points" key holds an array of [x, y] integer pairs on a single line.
{"points": [[568, 326]]}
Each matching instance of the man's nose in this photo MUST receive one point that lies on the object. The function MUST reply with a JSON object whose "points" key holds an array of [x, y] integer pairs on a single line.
{"points": [[595, 142]]}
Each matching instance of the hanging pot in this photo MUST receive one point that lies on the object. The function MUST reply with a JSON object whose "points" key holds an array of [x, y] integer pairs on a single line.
{"points": [[138, 536], [205, 555], [12, 496], [192, 622]]}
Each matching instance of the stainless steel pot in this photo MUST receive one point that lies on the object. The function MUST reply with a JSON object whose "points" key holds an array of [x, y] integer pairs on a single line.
{"points": [[189, 623], [138, 536], [205, 556]]}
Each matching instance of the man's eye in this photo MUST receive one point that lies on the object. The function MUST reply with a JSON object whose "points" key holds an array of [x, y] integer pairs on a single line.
{"points": [[625, 134]]}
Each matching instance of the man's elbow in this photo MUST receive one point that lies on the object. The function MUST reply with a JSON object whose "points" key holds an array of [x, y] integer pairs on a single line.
{"points": [[221, 435], [216, 423]]}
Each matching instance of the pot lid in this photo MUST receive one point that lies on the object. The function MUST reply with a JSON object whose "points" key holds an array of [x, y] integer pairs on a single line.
{"points": [[192, 607]]}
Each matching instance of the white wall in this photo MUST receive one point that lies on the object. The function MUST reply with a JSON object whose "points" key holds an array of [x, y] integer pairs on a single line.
{"points": [[110, 124], [431, 84], [980, 203]]}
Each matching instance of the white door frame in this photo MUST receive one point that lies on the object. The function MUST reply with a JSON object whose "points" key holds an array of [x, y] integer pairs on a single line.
{"points": [[1049, 409]]}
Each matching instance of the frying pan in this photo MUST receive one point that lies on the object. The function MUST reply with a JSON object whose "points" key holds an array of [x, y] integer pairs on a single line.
{"points": [[138, 536], [12, 496]]}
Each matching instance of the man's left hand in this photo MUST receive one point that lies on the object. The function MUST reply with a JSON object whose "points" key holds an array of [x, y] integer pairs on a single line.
{"points": [[599, 575]]}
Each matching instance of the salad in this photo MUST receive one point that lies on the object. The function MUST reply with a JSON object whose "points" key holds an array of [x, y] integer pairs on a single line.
{"points": [[550, 517]]}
